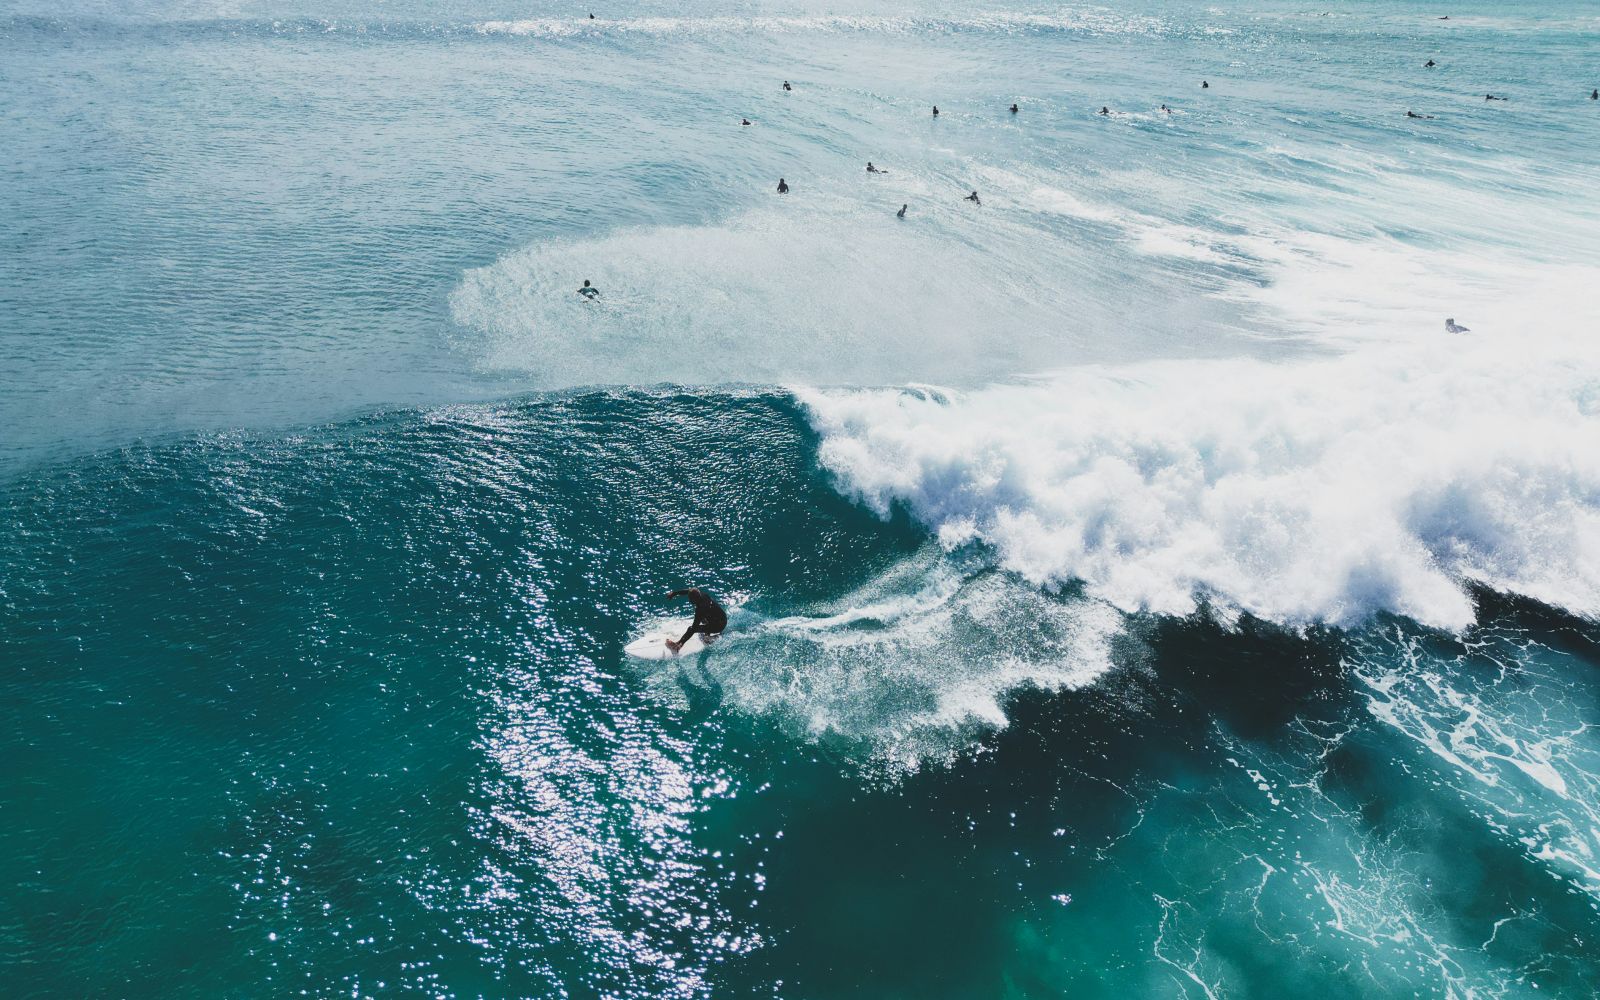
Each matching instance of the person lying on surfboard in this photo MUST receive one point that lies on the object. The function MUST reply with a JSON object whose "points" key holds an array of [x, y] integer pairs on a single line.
{"points": [[709, 618]]}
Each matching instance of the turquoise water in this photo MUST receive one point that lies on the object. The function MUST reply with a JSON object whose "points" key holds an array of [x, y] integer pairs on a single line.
{"points": [[1135, 591]]}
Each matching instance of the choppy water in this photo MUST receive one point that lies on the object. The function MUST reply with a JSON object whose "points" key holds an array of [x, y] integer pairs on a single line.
{"points": [[1136, 592]]}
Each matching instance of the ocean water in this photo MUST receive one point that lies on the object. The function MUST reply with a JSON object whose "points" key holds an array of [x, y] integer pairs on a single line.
{"points": [[1135, 591]]}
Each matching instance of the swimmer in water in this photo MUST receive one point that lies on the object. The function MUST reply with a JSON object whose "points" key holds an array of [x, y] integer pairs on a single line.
{"points": [[744, 121], [902, 213], [588, 291], [1204, 85], [1413, 114], [874, 170], [1594, 95], [709, 617], [1429, 64], [783, 186], [1166, 109], [1451, 326], [786, 85], [973, 197], [1013, 109], [1491, 97], [936, 111], [1104, 111]]}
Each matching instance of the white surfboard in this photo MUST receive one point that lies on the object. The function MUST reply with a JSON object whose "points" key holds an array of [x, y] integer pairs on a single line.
{"points": [[653, 644]]}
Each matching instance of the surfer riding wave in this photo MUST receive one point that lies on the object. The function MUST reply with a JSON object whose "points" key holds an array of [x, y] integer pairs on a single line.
{"points": [[709, 617]]}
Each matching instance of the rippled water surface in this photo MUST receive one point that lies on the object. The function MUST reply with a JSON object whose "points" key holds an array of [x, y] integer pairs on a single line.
{"points": [[1134, 590]]}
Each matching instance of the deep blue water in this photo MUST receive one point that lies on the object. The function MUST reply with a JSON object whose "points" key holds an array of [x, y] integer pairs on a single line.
{"points": [[1135, 591]]}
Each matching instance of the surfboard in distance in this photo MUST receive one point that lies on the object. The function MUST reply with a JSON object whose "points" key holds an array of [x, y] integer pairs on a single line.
{"points": [[653, 644]]}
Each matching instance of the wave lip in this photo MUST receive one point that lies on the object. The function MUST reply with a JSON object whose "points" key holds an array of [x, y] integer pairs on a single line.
{"points": [[1320, 491]]}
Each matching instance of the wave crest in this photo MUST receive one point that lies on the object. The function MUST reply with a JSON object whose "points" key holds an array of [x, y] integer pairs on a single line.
{"points": [[1320, 491]]}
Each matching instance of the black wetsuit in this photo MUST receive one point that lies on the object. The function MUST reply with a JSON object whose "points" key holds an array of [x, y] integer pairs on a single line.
{"points": [[709, 618]]}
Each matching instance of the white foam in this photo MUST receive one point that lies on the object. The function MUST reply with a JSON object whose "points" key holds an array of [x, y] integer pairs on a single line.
{"points": [[1354, 292], [1309, 491], [1503, 728], [823, 287], [913, 661]]}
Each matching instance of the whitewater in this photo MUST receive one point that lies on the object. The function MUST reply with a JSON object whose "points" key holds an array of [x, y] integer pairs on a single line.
{"points": [[1135, 588]]}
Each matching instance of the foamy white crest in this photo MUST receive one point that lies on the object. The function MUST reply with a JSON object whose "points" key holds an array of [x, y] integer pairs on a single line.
{"points": [[1313, 491]]}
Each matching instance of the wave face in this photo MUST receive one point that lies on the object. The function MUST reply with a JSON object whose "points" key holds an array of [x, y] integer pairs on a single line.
{"points": [[354, 700]]}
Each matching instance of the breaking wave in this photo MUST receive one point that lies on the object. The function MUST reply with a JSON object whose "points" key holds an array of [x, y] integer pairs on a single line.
{"points": [[1317, 491]]}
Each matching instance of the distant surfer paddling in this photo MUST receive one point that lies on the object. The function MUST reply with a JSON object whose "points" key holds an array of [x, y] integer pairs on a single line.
{"points": [[709, 617], [588, 291]]}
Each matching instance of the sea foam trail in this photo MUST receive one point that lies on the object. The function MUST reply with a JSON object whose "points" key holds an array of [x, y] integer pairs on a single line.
{"points": [[912, 662], [1315, 491]]}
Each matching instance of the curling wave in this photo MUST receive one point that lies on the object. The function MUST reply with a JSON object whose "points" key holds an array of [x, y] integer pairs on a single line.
{"points": [[1319, 491]]}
